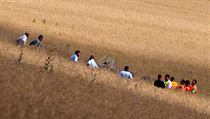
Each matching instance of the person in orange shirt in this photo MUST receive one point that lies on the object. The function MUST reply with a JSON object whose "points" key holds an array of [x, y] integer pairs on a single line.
{"points": [[187, 85], [182, 85], [174, 83]]}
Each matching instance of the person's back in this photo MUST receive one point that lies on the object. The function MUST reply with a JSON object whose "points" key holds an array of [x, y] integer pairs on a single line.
{"points": [[91, 62], [125, 73]]}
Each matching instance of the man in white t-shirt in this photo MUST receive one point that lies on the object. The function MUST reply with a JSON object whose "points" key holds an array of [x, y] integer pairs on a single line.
{"points": [[75, 56], [125, 73], [91, 62], [22, 39]]}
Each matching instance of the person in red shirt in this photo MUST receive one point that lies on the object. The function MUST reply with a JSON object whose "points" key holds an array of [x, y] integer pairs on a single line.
{"points": [[193, 87]]}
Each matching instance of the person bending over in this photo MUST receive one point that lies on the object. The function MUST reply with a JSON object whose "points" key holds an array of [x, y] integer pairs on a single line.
{"points": [[91, 62], [22, 40], [37, 41]]}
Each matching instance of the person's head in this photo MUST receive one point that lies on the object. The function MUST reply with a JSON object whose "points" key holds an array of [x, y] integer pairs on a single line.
{"points": [[187, 82], [167, 77], [91, 57], [27, 34], [159, 77], [172, 79], [40, 37], [194, 82], [126, 68], [182, 82], [77, 52]]}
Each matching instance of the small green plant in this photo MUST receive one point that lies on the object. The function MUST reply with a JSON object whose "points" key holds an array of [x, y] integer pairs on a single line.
{"points": [[44, 21], [47, 64], [20, 57], [34, 20]]}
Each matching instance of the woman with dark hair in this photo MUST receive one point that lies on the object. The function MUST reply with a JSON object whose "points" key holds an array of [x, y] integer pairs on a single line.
{"points": [[91, 62]]}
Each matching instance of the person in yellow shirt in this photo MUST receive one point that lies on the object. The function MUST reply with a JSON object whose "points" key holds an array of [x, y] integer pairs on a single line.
{"points": [[175, 85]]}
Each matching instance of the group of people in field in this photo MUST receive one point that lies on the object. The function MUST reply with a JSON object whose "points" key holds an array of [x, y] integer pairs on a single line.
{"points": [[92, 63], [170, 83], [22, 40]]}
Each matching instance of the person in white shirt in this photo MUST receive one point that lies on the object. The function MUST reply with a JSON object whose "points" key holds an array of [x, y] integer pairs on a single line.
{"points": [[37, 41], [75, 56], [22, 39], [91, 62], [125, 73], [168, 83]]}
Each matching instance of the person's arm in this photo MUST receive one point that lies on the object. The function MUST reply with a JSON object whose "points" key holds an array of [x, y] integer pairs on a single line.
{"points": [[131, 76]]}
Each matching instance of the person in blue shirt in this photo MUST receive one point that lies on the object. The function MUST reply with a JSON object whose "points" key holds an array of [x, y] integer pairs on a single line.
{"points": [[91, 62], [75, 56], [125, 73], [37, 42]]}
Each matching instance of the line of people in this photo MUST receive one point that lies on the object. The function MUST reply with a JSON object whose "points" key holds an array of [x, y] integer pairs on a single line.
{"points": [[92, 63], [170, 83], [22, 40]]}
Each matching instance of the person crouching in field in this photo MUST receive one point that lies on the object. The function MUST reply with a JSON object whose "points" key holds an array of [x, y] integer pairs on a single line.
{"points": [[174, 83], [37, 41], [167, 82], [75, 56], [22, 40], [159, 83], [91, 62], [125, 73], [193, 87]]}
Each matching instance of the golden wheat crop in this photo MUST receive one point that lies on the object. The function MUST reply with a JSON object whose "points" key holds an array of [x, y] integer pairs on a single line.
{"points": [[151, 36]]}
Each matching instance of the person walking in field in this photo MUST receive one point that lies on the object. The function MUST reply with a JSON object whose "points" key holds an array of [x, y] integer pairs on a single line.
{"points": [[187, 85], [22, 40], [91, 62], [168, 83], [174, 83], [125, 73], [159, 83], [37, 41], [182, 85], [193, 87], [75, 56]]}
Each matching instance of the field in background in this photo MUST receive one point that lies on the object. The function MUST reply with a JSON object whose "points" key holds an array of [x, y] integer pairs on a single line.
{"points": [[151, 36]]}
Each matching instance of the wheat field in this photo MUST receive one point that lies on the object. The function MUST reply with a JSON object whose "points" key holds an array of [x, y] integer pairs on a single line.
{"points": [[150, 36]]}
